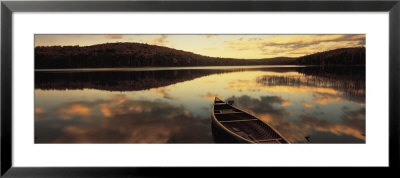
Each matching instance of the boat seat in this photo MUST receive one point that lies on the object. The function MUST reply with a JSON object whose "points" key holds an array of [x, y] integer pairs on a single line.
{"points": [[243, 120], [220, 103], [233, 116], [228, 112]]}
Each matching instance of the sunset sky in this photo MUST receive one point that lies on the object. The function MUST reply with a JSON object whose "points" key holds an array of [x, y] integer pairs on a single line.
{"points": [[230, 46]]}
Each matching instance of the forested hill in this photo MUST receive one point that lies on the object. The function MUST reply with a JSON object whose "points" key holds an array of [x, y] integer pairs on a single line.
{"points": [[343, 56], [143, 55], [123, 55]]}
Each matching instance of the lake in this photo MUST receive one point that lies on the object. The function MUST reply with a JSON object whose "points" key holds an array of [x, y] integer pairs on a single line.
{"points": [[305, 104]]}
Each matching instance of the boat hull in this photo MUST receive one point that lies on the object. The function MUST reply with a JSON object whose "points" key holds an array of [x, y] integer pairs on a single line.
{"points": [[233, 125]]}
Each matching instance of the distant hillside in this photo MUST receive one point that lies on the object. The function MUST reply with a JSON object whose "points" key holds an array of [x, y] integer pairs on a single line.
{"points": [[123, 55], [276, 61], [143, 55], [343, 56]]}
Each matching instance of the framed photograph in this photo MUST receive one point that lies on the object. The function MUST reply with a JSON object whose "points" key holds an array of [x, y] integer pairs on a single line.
{"points": [[141, 88]]}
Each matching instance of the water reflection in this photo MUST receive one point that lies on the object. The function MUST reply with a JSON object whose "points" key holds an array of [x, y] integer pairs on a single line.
{"points": [[119, 120], [121, 80], [349, 81], [173, 106], [349, 128]]}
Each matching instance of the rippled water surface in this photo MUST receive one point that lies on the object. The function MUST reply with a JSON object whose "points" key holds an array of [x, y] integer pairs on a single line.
{"points": [[169, 105]]}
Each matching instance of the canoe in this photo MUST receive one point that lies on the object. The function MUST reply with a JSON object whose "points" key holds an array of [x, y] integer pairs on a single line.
{"points": [[233, 125]]}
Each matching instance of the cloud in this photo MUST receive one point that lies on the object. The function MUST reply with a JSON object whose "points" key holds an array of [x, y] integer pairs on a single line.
{"points": [[122, 120], [76, 109], [255, 39], [162, 91], [300, 41], [209, 36], [265, 110], [326, 98], [262, 105], [159, 40], [105, 109], [211, 48], [286, 103], [113, 36], [348, 126], [210, 96], [297, 44], [307, 105], [355, 119], [39, 110], [351, 125]]}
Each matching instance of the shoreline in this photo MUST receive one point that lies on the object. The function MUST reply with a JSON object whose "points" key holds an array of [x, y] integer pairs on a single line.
{"points": [[171, 68]]}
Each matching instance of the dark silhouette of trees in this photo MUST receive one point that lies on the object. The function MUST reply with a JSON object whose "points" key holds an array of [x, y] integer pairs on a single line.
{"points": [[123, 55], [337, 57], [120, 80], [111, 55]]}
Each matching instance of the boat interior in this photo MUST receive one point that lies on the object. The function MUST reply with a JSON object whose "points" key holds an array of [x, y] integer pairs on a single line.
{"points": [[244, 124]]}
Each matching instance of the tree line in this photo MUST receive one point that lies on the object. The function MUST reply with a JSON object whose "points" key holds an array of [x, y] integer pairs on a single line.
{"points": [[343, 56], [110, 55]]}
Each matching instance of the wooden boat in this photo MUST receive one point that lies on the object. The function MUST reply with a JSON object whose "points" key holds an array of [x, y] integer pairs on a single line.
{"points": [[233, 125]]}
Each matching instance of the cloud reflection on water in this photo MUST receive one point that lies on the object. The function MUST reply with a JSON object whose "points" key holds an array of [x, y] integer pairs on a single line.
{"points": [[351, 124], [174, 106], [120, 120]]}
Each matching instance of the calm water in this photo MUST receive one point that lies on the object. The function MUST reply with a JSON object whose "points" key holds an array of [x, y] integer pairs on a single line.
{"points": [[170, 105]]}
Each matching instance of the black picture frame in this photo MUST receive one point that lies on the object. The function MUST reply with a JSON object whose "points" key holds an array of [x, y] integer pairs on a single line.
{"points": [[8, 7]]}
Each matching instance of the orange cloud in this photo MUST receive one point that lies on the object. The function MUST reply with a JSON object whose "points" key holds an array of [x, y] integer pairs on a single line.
{"points": [[39, 111], [325, 98], [335, 128], [307, 105], [74, 109], [113, 36], [296, 131], [105, 109], [302, 89], [297, 45], [296, 40], [286, 103], [136, 108], [169, 124]]}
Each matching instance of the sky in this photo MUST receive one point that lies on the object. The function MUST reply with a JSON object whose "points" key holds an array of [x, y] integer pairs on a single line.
{"points": [[221, 45]]}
